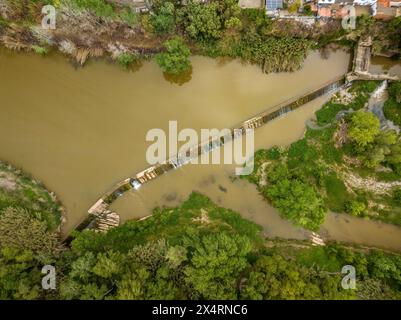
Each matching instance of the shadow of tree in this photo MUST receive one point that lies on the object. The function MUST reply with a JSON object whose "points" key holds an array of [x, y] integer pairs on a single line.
{"points": [[179, 79]]}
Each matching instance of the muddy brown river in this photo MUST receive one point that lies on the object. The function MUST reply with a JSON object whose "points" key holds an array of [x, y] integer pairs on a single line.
{"points": [[82, 130]]}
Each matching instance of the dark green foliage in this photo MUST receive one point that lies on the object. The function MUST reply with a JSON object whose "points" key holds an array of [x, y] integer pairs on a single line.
{"points": [[201, 22], [163, 21], [273, 153], [394, 91], [337, 195], [298, 202], [392, 107], [128, 16], [397, 195]]}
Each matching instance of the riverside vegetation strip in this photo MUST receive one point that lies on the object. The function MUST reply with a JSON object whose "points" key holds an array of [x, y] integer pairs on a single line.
{"points": [[220, 28], [195, 251]]}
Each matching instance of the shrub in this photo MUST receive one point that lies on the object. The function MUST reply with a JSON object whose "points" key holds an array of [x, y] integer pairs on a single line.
{"points": [[126, 59], [40, 50], [176, 60], [355, 208]]}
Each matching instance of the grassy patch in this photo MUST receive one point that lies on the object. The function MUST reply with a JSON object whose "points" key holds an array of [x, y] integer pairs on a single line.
{"points": [[337, 194]]}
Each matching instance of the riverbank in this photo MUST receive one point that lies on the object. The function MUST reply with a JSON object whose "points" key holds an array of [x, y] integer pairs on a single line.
{"points": [[94, 29], [200, 251], [21, 190], [31, 217]]}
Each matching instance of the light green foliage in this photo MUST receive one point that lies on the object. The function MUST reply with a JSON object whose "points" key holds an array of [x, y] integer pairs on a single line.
{"points": [[392, 107], [128, 16], [272, 277], [107, 265], [100, 8], [384, 148], [363, 128], [126, 59], [176, 255], [20, 275], [175, 60], [355, 208], [40, 50]]}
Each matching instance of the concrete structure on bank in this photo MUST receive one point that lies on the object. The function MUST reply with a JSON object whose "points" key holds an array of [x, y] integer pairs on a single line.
{"points": [[340, 8], [136, 5], [251, 4]]}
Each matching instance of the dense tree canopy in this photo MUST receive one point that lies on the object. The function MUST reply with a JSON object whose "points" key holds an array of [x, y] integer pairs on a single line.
{"points": [[298, 202], [201, 22], [163, 21], [363, 128], [175, 60]]}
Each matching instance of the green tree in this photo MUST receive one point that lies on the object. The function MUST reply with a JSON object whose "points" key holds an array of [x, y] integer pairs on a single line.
{"points": [[355, 208], [176, 60], [363, 128], [397, 195], [163, 21], [216, 263], [20, 275], [298, 202], [272, 277], [201, 21]]}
